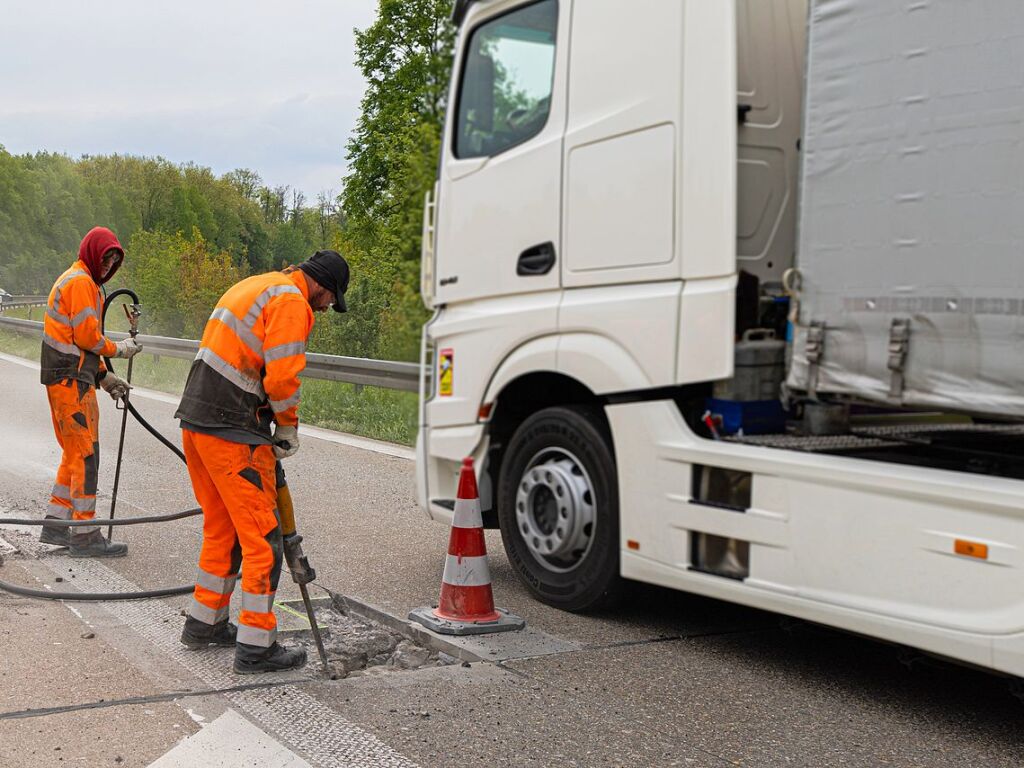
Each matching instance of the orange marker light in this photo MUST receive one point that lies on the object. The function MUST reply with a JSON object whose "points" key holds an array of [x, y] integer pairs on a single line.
{"points": [[485, 411], [970, 549], [632, 544]]}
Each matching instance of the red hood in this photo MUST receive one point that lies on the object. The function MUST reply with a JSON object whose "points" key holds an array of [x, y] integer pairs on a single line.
{"points": [[98, 241]]}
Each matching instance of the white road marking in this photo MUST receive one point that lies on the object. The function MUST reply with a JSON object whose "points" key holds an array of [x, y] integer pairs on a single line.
{"points": [[363, 443], [230, 741]]}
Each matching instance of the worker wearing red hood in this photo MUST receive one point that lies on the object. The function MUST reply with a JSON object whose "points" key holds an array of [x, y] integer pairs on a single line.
{"points": [[71, 368]]}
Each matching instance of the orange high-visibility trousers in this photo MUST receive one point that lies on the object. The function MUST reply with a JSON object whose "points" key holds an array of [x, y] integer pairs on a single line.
{"points": [[76, 421], [235, 485]]}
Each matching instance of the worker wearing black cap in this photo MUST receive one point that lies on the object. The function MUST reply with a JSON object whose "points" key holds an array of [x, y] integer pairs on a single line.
{"points": [[243, 384], [329, 270]]}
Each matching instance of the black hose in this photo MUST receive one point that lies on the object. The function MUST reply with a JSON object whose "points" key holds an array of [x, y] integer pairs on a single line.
{"points": [[123, 521], [152, 430], [45, 594]]}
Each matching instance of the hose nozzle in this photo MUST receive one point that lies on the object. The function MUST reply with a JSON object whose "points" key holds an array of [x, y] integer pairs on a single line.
{"points": [[133, 312]]}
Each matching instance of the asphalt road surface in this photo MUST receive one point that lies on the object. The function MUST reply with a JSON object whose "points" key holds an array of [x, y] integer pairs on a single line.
{"points": [[669, 680]]}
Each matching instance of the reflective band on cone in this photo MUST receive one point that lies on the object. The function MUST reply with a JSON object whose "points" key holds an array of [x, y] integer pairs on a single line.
{"points": [[467, 603]]}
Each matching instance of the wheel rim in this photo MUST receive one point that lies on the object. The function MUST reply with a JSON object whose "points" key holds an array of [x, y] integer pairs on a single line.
{"points": [[555, 509]]}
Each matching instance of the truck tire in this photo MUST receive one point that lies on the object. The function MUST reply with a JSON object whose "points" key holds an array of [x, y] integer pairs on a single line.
{"points": [[558, 509]]}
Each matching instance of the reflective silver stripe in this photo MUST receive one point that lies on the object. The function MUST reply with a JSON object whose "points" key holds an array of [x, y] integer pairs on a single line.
{"points": [[264, 638], [83, 530], [60, 346], [257, 306], [467, 514], [99, 345], [227, 317], [466, 571], [69, 278], [284, 405], [206, 614], [285, 350], [229, 372], [84, 505], [78, 319], [222, 585], [55, 315], [61, 491], [257, 603], [59, 510], [62, 283]]}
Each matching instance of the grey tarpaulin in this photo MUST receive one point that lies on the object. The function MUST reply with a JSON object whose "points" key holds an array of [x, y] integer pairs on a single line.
{"points": [[913, 203]]}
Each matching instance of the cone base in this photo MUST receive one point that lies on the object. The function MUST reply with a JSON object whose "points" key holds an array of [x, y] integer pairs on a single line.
{"points": [[429, 618], [475, 618]]}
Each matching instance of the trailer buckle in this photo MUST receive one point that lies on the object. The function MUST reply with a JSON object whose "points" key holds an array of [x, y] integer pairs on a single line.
{"points": [[899, 344]]}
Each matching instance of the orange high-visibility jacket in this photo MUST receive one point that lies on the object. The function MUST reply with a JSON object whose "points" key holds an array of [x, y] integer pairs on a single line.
{"points": [[72, 341], [246, 374]]}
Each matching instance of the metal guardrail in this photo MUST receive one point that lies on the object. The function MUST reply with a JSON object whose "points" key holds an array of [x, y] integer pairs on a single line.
{"points": [[352, 370], [20, 302]]}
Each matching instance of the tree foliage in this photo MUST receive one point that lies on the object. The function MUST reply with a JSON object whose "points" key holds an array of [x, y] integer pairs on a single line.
{"points": [[186, 230], [405, 56]]}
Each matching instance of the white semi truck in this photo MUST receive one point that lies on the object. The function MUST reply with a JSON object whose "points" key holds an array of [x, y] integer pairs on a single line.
{"points": [[729, 297]]}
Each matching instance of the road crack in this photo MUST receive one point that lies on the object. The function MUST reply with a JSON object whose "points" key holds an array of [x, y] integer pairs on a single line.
{"points": [[150, 699]]}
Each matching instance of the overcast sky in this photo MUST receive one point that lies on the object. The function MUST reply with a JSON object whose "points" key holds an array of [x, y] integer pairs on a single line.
{"points": [[269, 85]]}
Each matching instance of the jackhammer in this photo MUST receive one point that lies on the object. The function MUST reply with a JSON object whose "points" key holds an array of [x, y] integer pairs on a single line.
{"points": [[298, 564]]}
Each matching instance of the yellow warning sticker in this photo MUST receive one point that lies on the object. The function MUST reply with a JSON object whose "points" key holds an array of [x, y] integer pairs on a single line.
{"points": [[446, 372]]}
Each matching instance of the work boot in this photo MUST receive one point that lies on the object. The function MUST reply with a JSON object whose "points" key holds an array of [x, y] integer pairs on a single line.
{"points": [[250, 659], [58, 535], [196, 634], [94, 544]]}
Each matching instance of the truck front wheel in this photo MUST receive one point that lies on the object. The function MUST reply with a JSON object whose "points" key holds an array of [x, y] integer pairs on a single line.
{"points": [[558, 508]]}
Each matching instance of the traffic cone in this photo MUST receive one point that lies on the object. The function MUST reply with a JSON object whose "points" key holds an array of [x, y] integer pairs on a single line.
{"points": [[466, 606]]}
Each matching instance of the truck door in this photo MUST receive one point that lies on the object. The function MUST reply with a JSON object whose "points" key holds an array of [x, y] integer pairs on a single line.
{"points": [[499, 217], [770, 68]]}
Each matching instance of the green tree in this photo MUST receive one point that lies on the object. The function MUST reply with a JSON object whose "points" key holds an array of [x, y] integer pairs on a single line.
{"points": [[405, 56], [153, 270], [204, 276], [186, 231], [245, 182]]}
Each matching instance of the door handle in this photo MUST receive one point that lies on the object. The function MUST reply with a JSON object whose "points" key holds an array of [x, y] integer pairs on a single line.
{"points": [[537, 260]]}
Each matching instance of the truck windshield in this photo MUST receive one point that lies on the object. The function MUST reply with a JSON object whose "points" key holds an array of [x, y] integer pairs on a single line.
{"points": [[505, 92]]}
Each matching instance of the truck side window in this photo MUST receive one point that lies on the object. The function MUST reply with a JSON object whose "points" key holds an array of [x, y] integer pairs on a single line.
{"points": [[505, 93]]}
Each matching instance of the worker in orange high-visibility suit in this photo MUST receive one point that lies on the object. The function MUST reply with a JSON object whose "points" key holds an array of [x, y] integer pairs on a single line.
{"points": [[243, 382], [71, 367]]}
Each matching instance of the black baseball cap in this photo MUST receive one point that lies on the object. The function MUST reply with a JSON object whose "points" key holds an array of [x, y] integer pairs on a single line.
{"points": [[330, 270]]}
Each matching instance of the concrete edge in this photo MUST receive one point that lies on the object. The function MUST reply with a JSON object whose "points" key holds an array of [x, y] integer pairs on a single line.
{"points": [[407, 629]]}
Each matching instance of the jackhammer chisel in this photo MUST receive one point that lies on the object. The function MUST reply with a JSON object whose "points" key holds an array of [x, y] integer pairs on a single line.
{"points": [[302, 572]]}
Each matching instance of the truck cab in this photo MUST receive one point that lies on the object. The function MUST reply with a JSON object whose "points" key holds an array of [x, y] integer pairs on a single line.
{"points": [[583, 239]]}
